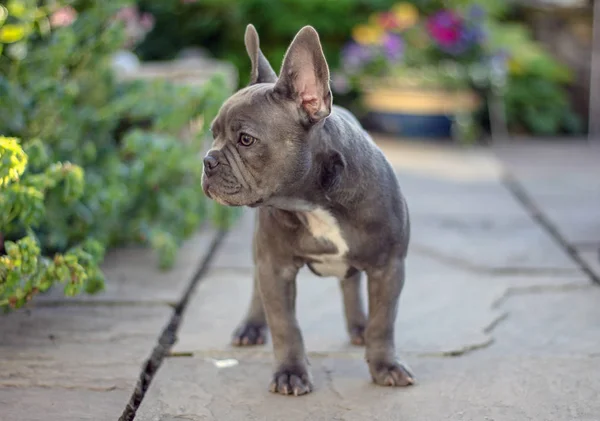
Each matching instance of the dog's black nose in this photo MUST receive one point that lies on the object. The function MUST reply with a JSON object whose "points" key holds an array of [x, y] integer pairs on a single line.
{"points": [[210, 163]]}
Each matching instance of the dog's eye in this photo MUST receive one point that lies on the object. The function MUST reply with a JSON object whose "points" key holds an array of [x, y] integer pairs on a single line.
{"points": [[246, 140]]}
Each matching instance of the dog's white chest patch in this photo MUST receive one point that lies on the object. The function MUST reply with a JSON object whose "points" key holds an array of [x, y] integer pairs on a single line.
{"points": [[321, 224]]}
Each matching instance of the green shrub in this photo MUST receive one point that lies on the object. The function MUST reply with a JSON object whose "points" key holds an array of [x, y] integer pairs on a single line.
{"points": [[219, 26], [24, 271], [535, 94], [102, 163]]}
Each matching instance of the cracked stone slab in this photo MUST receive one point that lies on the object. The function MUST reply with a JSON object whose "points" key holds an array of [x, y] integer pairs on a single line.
{"points": [[432, 318], [549, 322], [44, 404], [552, 389], [443, 310], [133, 276]]}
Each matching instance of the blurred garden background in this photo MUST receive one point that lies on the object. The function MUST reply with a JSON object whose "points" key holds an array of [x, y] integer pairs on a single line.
{"points": [[104, 106]]}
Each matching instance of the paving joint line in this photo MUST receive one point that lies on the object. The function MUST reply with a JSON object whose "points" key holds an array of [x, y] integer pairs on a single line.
{"points": [[465, 265], [168, 336], [520, 194]]}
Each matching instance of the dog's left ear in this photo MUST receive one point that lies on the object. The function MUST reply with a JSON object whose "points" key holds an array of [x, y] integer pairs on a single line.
{"points": [[304, 75]]}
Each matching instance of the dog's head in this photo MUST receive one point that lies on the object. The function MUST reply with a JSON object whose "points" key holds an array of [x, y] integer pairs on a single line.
{"points": [[261, 133]]}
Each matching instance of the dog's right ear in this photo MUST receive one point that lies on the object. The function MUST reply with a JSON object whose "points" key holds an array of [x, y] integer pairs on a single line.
{"points": [[262, 72]]}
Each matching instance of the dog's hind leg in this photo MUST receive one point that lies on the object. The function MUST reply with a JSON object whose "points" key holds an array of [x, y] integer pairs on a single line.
{"points": [[356, 319], [253, 329]]}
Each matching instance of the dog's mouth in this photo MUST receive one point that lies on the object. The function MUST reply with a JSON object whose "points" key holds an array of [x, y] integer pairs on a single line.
{"points": [[228, 200], [256, 204]]}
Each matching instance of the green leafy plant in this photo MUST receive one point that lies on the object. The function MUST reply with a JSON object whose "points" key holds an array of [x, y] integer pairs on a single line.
{"points": [[24, 271], [535, 94], [101, 162], [219, 25]]}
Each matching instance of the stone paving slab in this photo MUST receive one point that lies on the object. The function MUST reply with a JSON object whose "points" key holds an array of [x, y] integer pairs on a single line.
{"points": [[449, 162], [571, 202], [444, 309], [89, 351], [43, 404], [499, 389], [502, 244], [100, 347], [88, 357], [549, 322], [430, 195], [221, 300], [563, 180], [235, 251], [133, 276]]}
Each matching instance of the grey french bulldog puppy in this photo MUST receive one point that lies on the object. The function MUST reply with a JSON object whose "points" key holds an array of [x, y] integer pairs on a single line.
{"points": [[326, 197]]}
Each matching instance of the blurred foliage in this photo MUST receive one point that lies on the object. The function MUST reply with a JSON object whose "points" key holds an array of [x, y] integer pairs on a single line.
{"points": [[535, 94], [101, 163], [439, 47], [219, 26], [24, 271]]}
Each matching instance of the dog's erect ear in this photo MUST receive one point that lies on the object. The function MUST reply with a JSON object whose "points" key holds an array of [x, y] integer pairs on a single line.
{"points": [[304, 75], [262, 72]]}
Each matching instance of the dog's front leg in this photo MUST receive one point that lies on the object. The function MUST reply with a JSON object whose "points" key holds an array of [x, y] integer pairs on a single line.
{"points": [[277, 282], [385, 285]]}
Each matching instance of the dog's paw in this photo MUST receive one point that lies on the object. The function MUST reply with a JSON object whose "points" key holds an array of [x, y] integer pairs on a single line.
{"points": [[248, 334], [357, 335], [391, 374], [291, 381]]}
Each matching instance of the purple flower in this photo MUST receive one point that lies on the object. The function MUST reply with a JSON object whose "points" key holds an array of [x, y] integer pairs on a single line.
{"points": [[476, 12], [340, 83], [354, 56], [393, 46], [445, 19]]}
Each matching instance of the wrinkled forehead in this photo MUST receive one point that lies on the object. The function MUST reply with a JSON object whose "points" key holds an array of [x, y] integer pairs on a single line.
{"points": [[249, 104]]}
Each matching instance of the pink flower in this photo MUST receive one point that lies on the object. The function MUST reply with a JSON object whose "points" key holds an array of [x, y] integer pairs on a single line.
{"points": [[64, 16], [127, 13], [445, 27], [147, 21], [388, 21]]}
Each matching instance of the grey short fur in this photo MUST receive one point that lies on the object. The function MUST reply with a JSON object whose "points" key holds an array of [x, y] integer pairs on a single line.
{"points": [[326, 197]]}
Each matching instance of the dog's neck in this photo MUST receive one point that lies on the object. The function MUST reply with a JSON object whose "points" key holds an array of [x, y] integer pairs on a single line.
{"points": [[291, 204]]}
